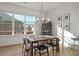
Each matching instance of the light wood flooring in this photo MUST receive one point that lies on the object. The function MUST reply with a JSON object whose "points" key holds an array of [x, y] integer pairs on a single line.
{"points": [[16, 50]]}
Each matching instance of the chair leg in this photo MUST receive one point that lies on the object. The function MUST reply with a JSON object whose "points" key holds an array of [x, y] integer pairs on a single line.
{"points": [[53, 50], [24, 53], [57, 50], [40, 52], [35, 51], [47, 51], [28, 52]]}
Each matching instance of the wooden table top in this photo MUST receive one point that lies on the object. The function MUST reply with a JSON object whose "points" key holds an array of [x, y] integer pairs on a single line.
{"points": [[41, 38]]}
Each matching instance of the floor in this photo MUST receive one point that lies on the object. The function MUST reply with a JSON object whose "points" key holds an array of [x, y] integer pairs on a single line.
{"points": [[16, 50]]}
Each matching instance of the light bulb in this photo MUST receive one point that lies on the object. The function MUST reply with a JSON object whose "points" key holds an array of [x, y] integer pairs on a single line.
{"points": [[48, 19], [42, 18], [37, 18]]}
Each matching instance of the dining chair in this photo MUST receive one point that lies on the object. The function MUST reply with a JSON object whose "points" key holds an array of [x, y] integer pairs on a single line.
{"points": [[55, 45], [26, 47], [41, 46]]}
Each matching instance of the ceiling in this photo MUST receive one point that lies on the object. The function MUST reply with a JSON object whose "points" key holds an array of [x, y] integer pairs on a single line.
{"points": [[37, 5]]}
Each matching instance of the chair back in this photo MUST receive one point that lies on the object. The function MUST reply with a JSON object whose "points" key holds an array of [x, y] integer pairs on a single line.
{"points": [[25, 41], [55, 41]]}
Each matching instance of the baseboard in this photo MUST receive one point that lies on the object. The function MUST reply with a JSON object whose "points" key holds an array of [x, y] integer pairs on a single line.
{"points": [[11, 45]]}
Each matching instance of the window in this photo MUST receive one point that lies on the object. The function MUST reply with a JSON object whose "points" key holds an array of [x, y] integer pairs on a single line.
{"points": [[29, 24], [11, 24], [5, 23], [19, 24]]}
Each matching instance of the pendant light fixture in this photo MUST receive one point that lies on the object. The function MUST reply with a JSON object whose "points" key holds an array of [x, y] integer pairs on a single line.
{"points": [[42, 12], [43, 17]]}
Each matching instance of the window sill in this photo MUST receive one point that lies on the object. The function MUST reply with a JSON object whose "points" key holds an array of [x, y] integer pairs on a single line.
{"points": [[17, 35]]}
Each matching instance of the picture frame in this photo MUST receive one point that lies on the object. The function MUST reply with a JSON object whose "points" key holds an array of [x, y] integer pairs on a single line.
{"points": [[59, 19], [60, 25], [66, 20], [67, 26]]}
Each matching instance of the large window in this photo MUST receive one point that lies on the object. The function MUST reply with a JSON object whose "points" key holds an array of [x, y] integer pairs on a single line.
{"points": [[19, 22], [14, 24], [5, 23], [29, 24]]}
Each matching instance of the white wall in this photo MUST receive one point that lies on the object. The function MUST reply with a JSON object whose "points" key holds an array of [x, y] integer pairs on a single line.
{"points": [[73, 9], [38, 27], [10, 40], [6, 40]]}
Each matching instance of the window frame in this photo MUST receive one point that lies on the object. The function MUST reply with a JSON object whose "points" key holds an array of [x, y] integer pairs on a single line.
{"points": [[13, 23], [7, 23]]}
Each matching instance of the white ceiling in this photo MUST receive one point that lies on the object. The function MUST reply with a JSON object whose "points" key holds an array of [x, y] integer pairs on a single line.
{"points": [[37, 5]]}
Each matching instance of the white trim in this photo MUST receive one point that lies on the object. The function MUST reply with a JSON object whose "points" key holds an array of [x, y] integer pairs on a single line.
{"points": [[13, 24], [5, 31], [24, 24], [62, 32]]}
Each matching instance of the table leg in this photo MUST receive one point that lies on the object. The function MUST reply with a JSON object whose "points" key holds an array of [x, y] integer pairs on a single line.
{"points": [[31, 50]]}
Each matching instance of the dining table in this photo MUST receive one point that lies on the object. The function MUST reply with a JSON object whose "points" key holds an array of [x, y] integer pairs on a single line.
{"points": [[34, 39]]}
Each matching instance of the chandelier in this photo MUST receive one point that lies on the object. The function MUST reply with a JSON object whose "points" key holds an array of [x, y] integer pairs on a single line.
{"points": [[42, 12], [43, 17]]}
